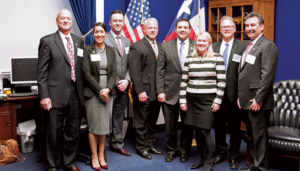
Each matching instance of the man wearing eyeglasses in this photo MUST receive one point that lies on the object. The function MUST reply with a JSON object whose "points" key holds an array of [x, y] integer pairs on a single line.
{"points": [[232, 50], [120, 99]]}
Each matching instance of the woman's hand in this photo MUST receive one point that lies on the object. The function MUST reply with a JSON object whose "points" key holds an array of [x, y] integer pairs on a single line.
{"points": [[104, 94], [215, 107], [183, 107]]}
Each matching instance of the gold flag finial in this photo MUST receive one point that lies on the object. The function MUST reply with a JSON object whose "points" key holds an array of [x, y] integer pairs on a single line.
{"points": [[142, 11]]}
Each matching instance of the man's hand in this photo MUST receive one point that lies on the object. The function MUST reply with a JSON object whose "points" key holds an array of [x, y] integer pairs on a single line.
{"points": [[122, 85], [104, 94], [255, 106], [215, 107], [143, 97], [46, 104], [183, 107], [161, 97], [238, 103]]}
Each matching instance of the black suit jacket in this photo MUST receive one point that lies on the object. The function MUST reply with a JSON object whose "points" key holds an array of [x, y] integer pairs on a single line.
{"points": [[142, 68], [54, 70], [91, 70], [256, 81], [238, 48], [168, 75]]}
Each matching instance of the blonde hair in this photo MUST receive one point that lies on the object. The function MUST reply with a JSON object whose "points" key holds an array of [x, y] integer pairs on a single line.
{"points": [[210, 52]]}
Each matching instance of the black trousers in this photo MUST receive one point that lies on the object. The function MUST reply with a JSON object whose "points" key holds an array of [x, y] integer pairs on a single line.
{"points": [[228, 113], [257, 130], [118, 113], [145, 118], [171, 114], [62, 140]]}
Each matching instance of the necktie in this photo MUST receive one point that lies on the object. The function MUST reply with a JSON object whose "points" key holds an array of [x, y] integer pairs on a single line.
{"points": [[181, 55], [155, 49], [119, 46], [70, 51], [246, 53], [225, 55]]}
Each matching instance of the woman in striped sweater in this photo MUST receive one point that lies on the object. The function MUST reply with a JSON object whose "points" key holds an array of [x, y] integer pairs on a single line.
{"points": [[201, 92]]}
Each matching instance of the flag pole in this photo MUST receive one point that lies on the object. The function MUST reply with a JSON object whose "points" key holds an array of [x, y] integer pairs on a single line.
{"points": [[142, 11], [199, 13]]}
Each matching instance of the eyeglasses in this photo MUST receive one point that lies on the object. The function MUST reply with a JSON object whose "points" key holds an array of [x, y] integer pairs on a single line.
{"points": [[227, 27], [99, 23]]}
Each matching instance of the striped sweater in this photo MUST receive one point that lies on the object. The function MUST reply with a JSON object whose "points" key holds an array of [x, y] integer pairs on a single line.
{"points": [[203, 76]]}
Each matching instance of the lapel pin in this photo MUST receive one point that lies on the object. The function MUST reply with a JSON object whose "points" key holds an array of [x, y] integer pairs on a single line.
{"points": [[93, 51], [75, 44]]}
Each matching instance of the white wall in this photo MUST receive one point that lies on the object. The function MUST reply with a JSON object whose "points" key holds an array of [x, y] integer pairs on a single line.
{"points": [[24, 22]]}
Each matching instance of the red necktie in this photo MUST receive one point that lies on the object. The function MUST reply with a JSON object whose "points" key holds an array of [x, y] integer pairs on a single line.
{"points": [[246, 53], [119, 46], [71, 58]]}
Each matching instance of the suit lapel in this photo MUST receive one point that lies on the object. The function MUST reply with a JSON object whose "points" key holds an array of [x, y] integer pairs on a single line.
{"points": [[75, 44], [218, 47], [94, 51], [191, 46], [174, 50], [123, 45], [61, 46], [113, 41], [148, 45], [256, 45], [233, 49]]}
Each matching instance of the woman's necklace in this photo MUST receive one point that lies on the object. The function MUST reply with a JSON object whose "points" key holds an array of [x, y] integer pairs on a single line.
{"points": [[100, 48]]}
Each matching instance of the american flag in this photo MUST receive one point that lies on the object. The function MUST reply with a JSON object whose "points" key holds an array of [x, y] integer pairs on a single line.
{"points": [[137, 12]]}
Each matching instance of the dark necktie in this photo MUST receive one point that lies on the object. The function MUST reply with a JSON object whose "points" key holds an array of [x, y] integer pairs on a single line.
{"points": [[70, 51]]}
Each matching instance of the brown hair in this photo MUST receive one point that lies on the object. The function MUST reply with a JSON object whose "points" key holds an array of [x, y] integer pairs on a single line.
{"points": [[100, 24], [116, 12], [255, 14]]}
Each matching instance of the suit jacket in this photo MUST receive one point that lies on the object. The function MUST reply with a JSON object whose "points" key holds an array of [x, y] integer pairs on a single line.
{"points": [[142, 68], [54, 70], [256, 81], [238, 48], [168, 75], [91, 71], [122, 61]]}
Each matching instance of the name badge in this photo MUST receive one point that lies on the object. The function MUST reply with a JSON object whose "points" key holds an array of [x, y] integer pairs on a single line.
{"points": [[126, 50], [79, 52], [251, 59], [95, 57], [236, 58]]}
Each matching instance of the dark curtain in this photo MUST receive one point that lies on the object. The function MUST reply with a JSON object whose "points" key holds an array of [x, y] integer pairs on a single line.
{"points": [[85, 15]]}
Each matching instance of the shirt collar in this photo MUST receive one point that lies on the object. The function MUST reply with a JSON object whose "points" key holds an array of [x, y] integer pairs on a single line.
{"points": [[114, 35], [230, 43], [63, 35], [255, 40], [185, 42], [150, 40]]}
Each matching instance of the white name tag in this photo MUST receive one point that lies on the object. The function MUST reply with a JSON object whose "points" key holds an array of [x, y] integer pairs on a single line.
{"points": [[251, 59], [236, 58], [95, 57], [126, 50], [79, 52]]}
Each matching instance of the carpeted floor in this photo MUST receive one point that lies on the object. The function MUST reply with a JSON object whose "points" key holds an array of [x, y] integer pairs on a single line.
{"points": [[135, 162]]}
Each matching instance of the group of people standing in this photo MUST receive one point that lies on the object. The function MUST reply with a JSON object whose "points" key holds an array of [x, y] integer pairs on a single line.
{"points": [[205, 83]]}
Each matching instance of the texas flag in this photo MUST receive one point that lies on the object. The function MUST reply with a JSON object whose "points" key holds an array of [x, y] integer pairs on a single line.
{"points": [[192, 10]]}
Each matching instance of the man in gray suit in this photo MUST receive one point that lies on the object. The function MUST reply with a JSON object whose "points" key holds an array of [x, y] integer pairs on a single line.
{"points": [[257, 71], [121, 45], [232, 50], [168, 76]]}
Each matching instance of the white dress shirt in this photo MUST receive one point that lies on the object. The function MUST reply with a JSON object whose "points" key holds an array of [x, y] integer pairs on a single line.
{"points": [[63, 38], [253, 43]]}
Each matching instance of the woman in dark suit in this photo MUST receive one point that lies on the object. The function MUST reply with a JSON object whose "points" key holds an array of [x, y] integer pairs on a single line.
{"points": [[201, 92], [99, 72]]}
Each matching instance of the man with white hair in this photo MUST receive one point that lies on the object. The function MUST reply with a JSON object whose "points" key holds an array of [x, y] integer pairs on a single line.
{"points": [[142, 68]]}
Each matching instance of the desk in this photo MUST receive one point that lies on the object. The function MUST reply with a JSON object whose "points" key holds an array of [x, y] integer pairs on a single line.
{"points": [[8, 114]]}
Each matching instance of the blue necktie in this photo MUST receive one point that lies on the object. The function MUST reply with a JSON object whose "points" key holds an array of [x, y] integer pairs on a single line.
{"points": [[225, 55], [181, 56]]}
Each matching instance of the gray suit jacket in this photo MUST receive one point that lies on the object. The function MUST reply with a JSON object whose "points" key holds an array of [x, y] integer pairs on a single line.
{"points": [[256, 81], [168, 75], [238, 48], [122, 61]]}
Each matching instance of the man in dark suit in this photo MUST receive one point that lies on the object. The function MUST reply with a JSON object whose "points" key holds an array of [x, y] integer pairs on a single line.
{"points": [[257, 71], [232, 50], [121, 45], [142, 68], [59, 77], [169, 71]]}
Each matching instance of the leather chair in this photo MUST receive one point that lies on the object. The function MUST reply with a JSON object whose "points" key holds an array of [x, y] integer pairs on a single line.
{"points": [[284, 126]]}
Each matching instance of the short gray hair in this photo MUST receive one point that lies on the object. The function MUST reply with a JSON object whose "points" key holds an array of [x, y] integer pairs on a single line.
{"points": [[226, 18], [255, 14], [150, 19]]}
